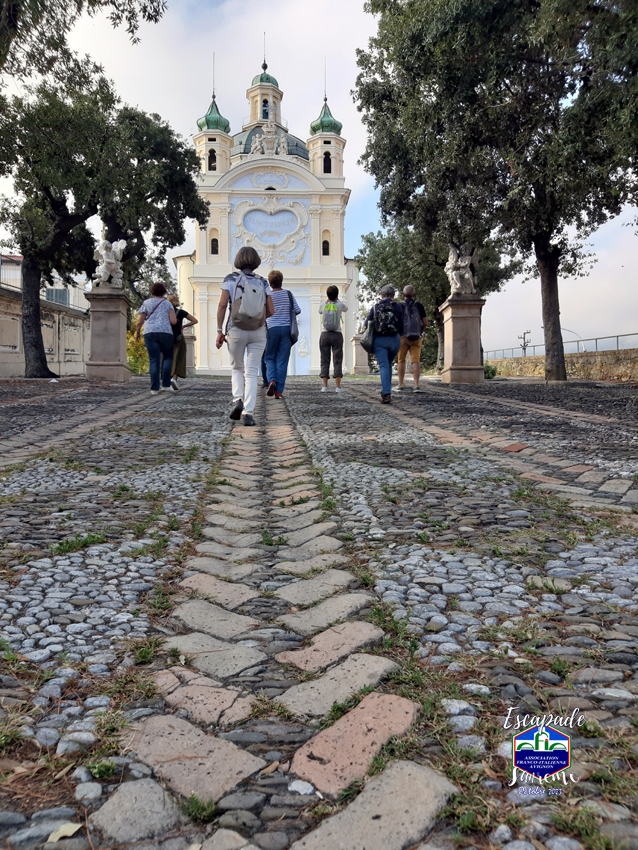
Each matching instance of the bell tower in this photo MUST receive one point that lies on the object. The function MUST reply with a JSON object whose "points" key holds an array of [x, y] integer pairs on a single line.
{"points": [[264, 97], [325, 145], [214, 143]]}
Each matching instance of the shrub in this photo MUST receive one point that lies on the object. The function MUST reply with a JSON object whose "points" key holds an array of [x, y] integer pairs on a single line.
{"points": [[136, 354], [489, 371]]}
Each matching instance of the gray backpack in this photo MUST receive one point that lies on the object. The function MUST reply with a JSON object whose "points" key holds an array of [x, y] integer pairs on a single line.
{"points": [[248, 310], [331, 316]]}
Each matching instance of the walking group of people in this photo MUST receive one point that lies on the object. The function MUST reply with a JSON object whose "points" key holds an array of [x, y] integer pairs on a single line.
{"points": [[164, 327], [261, 328]]}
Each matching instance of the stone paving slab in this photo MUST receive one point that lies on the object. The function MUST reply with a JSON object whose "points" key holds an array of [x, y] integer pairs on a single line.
{"points": [[393, 812], [305, 535], [333, 645], [326, 613], [315, 698], [295, 523], [312, 590], [235, 523], [339, 755], [229, 538], [305, 493], [243, 507], [210, 705], [189, 760], [202, 616], [225, 569], [318, 562], [216, 657], [228, 839], [229, 553], [136, 811], [227, 594], [314, 547]]}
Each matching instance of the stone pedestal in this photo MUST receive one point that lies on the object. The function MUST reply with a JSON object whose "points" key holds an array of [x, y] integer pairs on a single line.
{"points": [[191, 339], [359, 357], [462, 323], [108, 360]]}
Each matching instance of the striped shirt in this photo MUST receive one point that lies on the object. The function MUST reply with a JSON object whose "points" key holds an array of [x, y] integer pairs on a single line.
{"points": [[281, 303]]}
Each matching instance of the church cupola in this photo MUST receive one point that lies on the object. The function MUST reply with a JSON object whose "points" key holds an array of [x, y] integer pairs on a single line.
{"points": [[325, 145], [214, 143], [264, 97]]}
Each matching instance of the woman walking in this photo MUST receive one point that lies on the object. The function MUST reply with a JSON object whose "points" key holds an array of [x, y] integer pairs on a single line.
{"points": [[331, 339], [388, 327], [179, 343], [241, 291], [158, 317], [279, 341]]}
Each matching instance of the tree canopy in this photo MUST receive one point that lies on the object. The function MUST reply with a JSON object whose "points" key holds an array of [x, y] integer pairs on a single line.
{"points": [[508, 116], [33, 33], [75, 153]]}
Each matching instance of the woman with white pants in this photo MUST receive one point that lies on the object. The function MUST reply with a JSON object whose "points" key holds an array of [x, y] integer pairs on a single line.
{"points": [[245, 347]]}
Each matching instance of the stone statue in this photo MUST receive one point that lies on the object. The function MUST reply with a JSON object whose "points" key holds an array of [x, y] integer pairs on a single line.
{"points": [[361, 321], [459, 269], [109, 270], [256, 146], [282, 149]]}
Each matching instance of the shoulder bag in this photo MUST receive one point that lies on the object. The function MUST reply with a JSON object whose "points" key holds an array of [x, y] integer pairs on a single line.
{"points": [[294, 325], [367, 340]]}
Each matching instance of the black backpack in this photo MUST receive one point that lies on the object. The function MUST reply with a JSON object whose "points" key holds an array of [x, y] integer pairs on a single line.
{"points": [[385, 320], [412, 324]]}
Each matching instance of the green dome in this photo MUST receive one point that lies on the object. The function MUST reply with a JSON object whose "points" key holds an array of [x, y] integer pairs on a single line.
{"points": [[325, 123], [214, 120], [264, 78]]}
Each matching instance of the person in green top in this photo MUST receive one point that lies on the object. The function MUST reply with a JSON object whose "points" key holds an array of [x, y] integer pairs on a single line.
{"points": [[331, 339]]}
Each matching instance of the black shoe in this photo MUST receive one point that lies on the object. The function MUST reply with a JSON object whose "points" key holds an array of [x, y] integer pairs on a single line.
{"points": [[235, 413], [247, 419], [386, 399], [272, 388]]}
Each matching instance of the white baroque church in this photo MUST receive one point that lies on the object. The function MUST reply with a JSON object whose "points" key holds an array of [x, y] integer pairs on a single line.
{"points": [[284, 197]]}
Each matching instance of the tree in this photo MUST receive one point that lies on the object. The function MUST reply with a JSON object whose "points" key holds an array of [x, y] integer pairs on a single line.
{"points": [[74, 154], [403, 256], [514, 117], [33, 33]]}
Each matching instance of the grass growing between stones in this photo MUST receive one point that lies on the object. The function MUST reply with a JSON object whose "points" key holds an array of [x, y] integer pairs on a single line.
{"points": [[583, 823], [201, 811], [74, 544]]}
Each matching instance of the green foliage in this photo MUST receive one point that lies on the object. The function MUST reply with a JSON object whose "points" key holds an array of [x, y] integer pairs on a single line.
{"points": [[136, 354], [103, 769], [504, 119], [76, 543], [202, 811], [489, 371], [33, 35]]}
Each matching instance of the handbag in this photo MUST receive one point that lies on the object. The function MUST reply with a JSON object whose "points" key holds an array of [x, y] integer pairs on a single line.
{"points": [[294, 325], [367, 340]]}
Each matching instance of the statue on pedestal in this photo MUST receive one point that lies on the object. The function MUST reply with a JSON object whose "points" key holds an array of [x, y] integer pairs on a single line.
{"points": [[459, 269], [109, 270]]}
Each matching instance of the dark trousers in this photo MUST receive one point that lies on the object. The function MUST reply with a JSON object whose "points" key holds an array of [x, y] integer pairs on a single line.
{"points": [[159, 345], [331, 341], [277, 354]]}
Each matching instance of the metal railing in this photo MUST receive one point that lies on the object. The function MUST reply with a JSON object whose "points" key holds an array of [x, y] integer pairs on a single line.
{"points": [[619, 342]]}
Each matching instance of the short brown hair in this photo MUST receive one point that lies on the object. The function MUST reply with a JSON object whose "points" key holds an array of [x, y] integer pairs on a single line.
{"points": [[158, 290], [332, 292], [247, 258], [275, 279]]}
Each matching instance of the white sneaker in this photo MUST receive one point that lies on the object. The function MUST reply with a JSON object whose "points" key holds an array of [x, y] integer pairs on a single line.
{"points": [[168, 390], [324, 389], [417, 390], [174, 383], [339, 390], [154, 392]]}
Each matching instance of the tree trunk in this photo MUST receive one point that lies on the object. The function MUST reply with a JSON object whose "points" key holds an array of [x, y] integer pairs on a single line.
{"points": [[440, 355], [548, 258], [35, 360]]}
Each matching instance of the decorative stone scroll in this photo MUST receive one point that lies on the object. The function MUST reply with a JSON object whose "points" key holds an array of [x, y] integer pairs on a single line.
{"points": [[274, 246]]}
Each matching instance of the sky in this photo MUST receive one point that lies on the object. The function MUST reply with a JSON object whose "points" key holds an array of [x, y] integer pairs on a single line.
{"points": [[170, 72]]}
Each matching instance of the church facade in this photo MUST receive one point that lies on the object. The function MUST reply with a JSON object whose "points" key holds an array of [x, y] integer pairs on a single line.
{"points": [[268, 189]]}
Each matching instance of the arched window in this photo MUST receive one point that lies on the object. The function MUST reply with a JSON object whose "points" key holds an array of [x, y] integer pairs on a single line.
{"points": [[327, 163], [212, 160], [264, 110], [214, 246], [325, 248]]}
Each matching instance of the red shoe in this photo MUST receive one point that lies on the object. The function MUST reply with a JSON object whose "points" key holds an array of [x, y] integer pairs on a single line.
{"points": [[279, 395], [272, 386]]}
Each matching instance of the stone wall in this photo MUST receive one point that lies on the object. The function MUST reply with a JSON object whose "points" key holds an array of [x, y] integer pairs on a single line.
{"points": [[592, 366], [66, 333]]}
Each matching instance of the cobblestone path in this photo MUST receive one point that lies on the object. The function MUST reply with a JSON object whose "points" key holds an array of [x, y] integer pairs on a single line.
{"points": [[313, 633]]}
